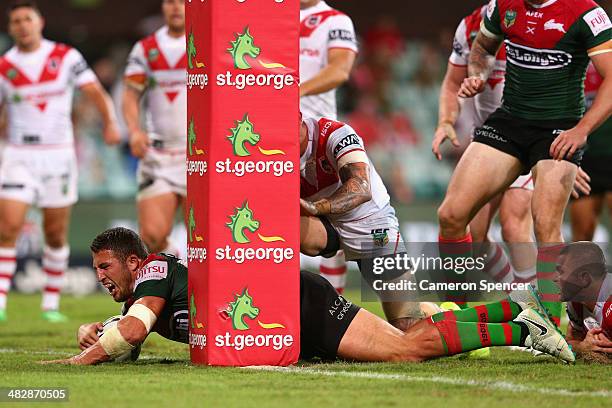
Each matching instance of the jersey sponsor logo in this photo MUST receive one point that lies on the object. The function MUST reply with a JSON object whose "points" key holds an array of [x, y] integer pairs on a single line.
{"points": [[339, 308], [457, 47], [241, 312], [199, 167], [348, 143], [195, 252], [597, 20], [244, 52], [490, 133], [243, 225], [553, 25], [344, 35], [156, 270], [309, 52], [242, 138], [509, 18], [533, 58], [534, 14]]}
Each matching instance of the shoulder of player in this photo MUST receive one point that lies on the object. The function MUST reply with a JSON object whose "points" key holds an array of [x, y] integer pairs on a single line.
{"points": [[328, 127], [472, 22], [155, 267]]}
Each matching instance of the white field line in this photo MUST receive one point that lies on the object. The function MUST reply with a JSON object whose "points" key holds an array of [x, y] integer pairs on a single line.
{"points": [[59, 353], [490, 385]]}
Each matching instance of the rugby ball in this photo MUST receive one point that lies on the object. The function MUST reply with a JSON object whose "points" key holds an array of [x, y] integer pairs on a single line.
{"points": [[109, 324]]}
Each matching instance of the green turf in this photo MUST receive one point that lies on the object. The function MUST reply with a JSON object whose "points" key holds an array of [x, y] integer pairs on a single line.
{"points": [[163, 376]]}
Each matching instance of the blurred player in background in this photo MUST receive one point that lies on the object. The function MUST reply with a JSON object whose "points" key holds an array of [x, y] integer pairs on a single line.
{"points": [[597, 162], [37, 82], [328, 48], [514, 204], [157, 69], [540, 127]]}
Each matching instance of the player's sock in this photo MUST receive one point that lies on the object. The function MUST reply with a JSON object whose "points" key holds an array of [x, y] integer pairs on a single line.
{"points": [[497, 265], [8, 265], [497, 312], [545, 273], [54, 263], [526, 276], [459, 337], [334, 270], [455, 248]]}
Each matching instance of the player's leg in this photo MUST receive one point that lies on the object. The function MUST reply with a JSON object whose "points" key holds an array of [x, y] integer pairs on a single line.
{"points": [[55, 258], [156, 218], [12, 218], [584, 212], [317, 237], [517, 230], [554, 181]]}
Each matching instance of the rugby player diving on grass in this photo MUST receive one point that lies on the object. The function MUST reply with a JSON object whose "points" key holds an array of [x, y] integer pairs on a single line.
{"points": [[158, 302]]}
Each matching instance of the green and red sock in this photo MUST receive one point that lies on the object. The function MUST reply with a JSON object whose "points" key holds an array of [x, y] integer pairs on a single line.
{"points": [[545, 273], [455, 248], [497, 312]]}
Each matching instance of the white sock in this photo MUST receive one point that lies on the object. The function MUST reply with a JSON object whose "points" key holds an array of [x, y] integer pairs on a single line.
{"points": [[497, 265], [334, 270], [54, 264], [8, 265]]}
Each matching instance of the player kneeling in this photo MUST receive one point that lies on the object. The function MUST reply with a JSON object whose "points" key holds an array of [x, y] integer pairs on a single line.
{"points": [[121, 260]]}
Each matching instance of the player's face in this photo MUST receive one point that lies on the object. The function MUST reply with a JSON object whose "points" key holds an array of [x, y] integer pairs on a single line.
{"points": [[568, 279], [25, 26], [174, 14], [116, 276]]}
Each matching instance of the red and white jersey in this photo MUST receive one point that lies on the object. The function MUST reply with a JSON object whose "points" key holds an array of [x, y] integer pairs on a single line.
{"points": [[489, 100], [322, 28], [602, 312], [328, 143], [159, 64], [38, 88]]}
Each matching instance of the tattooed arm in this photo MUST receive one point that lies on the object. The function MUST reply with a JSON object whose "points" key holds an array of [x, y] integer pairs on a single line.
{"points": [[482, 56], [355, 190]]}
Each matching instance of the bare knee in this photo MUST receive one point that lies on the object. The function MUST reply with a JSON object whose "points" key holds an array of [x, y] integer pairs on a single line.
{"points": [[153, 238], [451, 219], [547, 227]]}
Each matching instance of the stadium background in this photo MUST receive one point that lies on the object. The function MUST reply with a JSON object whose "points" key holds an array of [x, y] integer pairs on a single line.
{"points": [[391, 100]]}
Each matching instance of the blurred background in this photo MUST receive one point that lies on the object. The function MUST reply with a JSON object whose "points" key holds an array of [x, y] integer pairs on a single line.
{"points": [[391, 100]]}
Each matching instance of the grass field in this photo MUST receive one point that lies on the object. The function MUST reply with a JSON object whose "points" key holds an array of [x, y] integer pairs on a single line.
{"points": [[164, 377]]}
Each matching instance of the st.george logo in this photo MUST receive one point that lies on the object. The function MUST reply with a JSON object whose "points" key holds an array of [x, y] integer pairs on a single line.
{"points": [[242, 220], [243, 134], [243, 307], [244, 46], [192, 52]]}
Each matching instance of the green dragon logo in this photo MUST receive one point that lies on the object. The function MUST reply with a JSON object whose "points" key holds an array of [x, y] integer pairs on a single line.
{"points": [[242, 307], [193, 314], [192, 227], [192, 139], [192, 52], [244, 133], [242, 220], [244, 45]]}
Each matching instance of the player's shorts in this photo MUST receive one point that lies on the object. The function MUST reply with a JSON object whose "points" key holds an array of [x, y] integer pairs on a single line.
{"points": [[324, 317], [527, 140], [599, 168], [162, 171], [44, 176], [525, 182], [373, 236]]}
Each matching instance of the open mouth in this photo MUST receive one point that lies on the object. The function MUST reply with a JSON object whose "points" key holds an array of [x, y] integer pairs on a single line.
{"points": [[110, 287]]}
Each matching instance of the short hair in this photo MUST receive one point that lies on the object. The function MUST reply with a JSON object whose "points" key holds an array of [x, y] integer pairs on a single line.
{"points": [[123, 242], [586, 255], [16, 4]]}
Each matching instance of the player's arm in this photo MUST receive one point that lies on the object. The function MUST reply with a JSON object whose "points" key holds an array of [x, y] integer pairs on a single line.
{"points": [[594, 340], [104, 104], [354, 191], [134, 87], [482, 56], [449, 107], [335, 73], [131, 331], [571, 140]]}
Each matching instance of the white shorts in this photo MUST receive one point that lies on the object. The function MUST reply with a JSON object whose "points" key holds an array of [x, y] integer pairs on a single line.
{"points": [[162, 172], [44, 176], [373, 236], [525, 182]]}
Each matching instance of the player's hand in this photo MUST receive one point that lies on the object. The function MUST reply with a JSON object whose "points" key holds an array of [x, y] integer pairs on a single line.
{"points": [[307, 208], [471, 86], [87, 335], [444, 131], [567, 143], [139, 143], [111, 134], [581, 184], [596, 340]]}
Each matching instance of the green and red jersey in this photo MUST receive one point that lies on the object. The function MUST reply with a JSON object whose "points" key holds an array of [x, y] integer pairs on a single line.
{"points": [[546, 49]]}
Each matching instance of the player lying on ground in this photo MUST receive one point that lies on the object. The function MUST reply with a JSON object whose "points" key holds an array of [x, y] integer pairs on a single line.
{"points": [[153, 302], [586, 286], [345, 204]]}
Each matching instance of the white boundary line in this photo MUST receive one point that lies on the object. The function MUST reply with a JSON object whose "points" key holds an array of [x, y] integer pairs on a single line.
{"points": [[491, 385]]}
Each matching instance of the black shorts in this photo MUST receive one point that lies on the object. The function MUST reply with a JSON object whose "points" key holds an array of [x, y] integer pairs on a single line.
{"points": [[324, 317], [527, 140], [599, 168]]}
